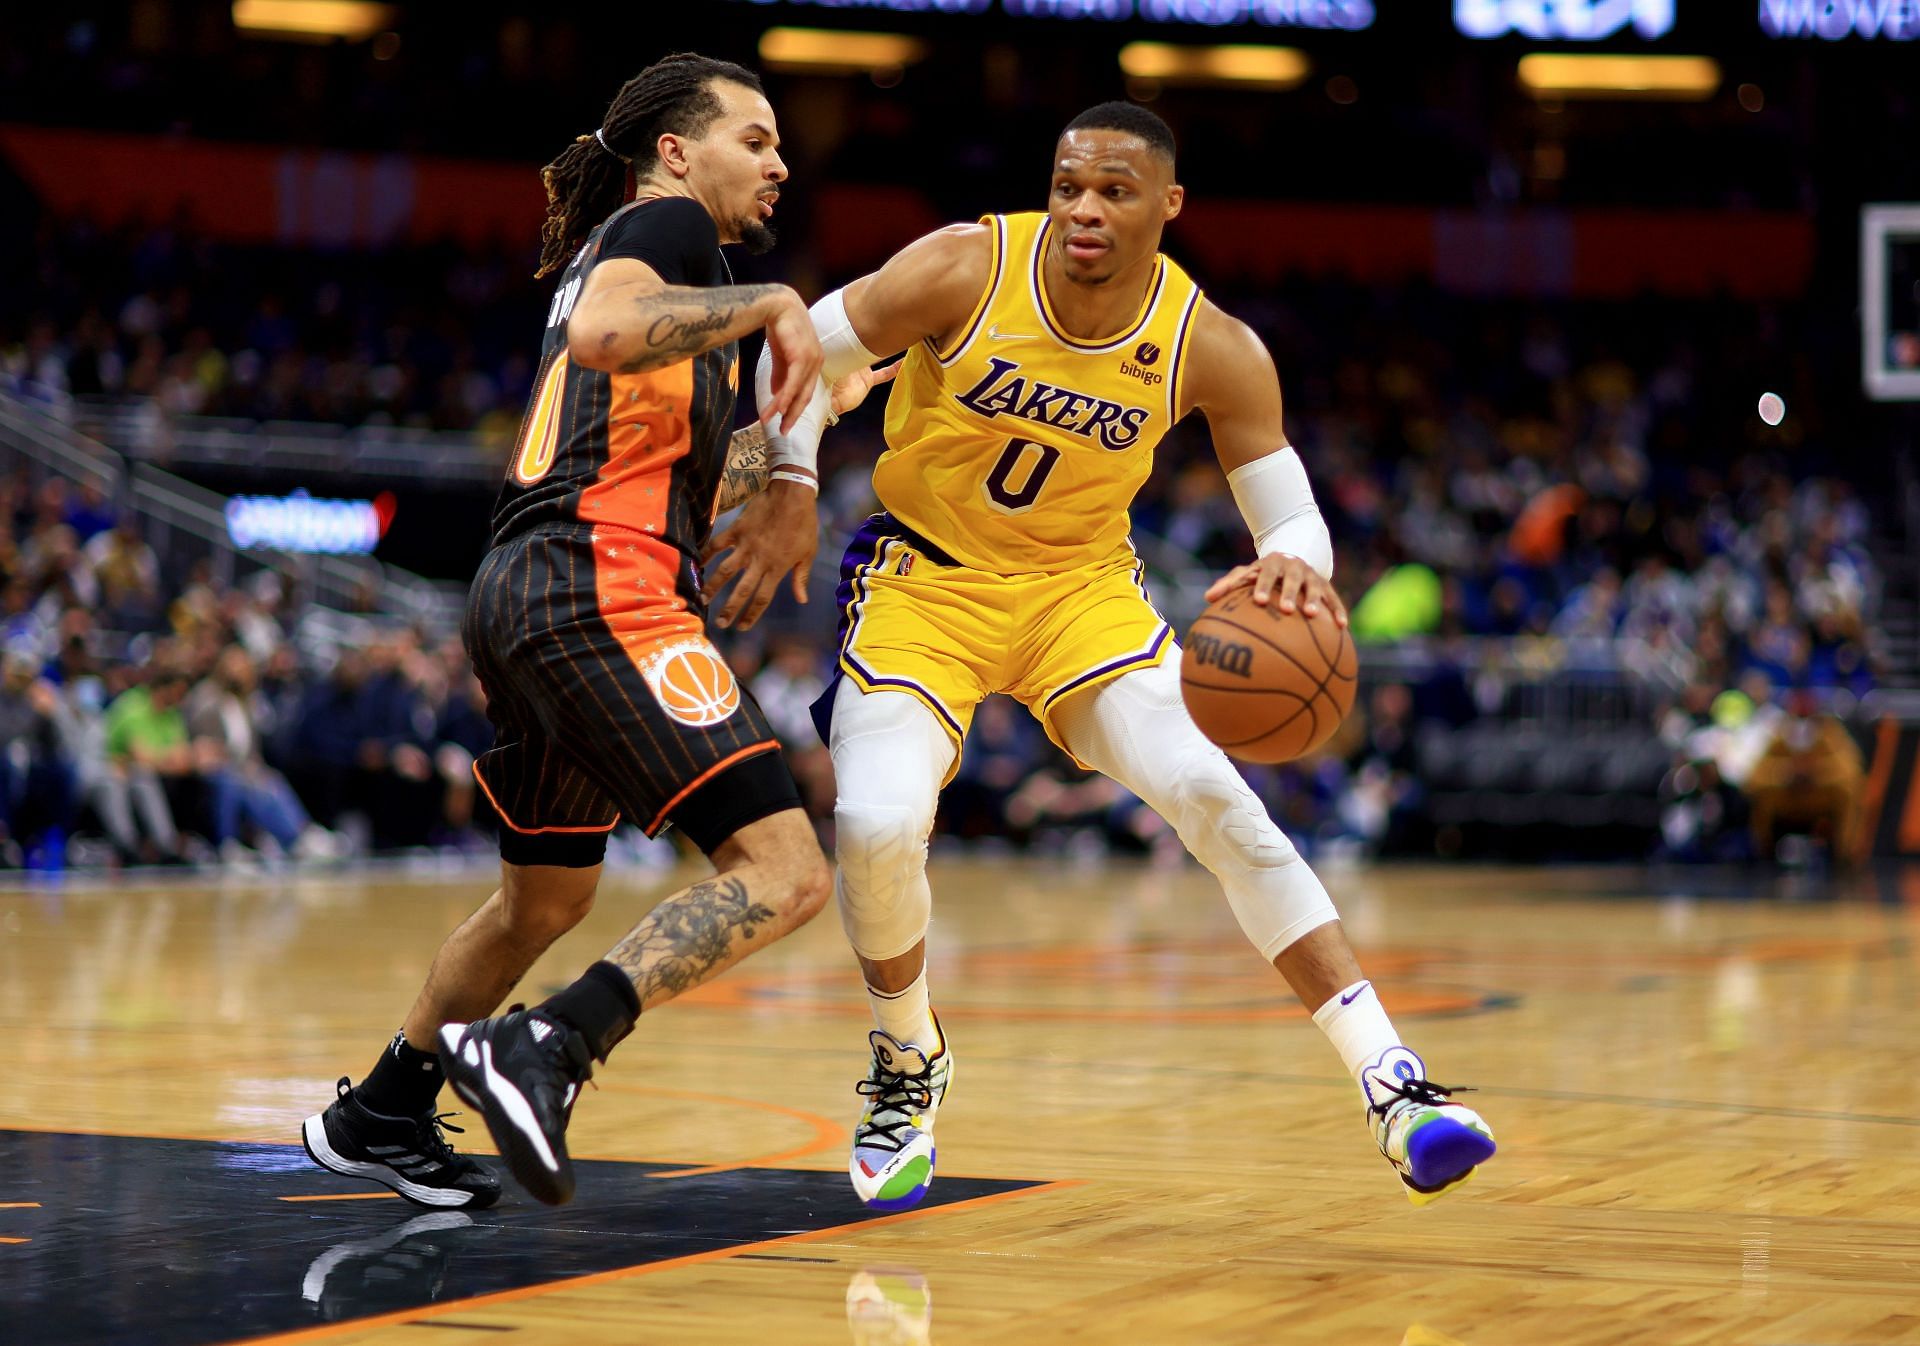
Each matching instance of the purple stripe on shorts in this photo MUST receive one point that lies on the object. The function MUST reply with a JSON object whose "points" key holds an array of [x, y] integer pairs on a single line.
{"points": [[1153, 652], [865, 549]]}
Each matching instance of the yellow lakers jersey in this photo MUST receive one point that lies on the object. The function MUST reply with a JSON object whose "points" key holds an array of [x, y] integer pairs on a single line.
{"points": [[1018, 448]]}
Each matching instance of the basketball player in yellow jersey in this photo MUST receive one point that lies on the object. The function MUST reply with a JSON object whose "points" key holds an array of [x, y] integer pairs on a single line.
{"points": [[1046, 355]]}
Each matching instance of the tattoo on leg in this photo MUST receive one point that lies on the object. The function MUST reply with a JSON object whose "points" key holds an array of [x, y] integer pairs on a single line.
{"points": [[686, 939]]}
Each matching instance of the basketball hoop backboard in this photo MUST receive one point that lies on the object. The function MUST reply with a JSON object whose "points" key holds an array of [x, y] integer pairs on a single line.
{"points": [[1890, 302]]}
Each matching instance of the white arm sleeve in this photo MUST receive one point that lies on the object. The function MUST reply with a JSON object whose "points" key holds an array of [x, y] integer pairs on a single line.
{"points": [[838, 341], [1276, 500], [799, 446]]}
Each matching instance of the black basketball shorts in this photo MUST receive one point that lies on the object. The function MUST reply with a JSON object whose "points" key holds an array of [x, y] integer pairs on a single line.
{"points": [[608, 700]]}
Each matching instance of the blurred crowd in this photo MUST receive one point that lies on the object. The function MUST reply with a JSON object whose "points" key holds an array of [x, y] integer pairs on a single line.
{"points": [[1577, 485], [425, 337], [148, 718]]}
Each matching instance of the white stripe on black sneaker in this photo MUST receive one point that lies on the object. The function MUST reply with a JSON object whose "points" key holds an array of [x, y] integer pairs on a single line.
{"points": [[519, 1111], [314, 1133]]}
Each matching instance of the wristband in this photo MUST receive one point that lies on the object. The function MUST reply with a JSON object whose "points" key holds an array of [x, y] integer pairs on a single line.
{"points": [[1277, 502]]}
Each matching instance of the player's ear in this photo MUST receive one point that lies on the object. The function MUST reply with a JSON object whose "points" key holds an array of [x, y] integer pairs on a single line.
{"points": [[1176, 197], [672, 151]]}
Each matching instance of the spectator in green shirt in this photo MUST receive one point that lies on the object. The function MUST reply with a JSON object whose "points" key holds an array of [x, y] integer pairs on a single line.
{"points": [[149, 757]]}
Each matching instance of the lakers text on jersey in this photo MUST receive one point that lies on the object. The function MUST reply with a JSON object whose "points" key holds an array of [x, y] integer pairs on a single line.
{"points": [[1019, 447], [1001, 561]]}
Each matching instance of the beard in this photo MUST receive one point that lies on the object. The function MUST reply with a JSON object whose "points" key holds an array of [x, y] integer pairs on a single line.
{"points": [[757, 237]]}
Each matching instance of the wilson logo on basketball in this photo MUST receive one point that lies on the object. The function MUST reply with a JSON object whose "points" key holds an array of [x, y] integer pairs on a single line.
{"points": [[1223, 655], [692, 683]]}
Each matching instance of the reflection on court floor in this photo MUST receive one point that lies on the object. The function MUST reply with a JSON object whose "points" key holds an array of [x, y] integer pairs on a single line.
{"points": [[179, 1243]]}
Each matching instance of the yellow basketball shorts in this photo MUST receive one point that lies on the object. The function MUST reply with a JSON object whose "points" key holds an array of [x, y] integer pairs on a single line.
{"points": [[914, 620]]}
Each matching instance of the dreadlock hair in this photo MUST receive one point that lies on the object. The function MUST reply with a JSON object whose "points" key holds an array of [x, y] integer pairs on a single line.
{"points": [[588, 182], [1130, 118]]}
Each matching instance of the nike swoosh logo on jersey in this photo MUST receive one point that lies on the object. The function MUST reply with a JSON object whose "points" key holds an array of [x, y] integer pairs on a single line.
{"points": [[995, 334]]}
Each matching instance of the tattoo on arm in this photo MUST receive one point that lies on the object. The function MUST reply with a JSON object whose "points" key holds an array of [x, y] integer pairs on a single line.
{"points": [[681, 321], [745, 474], [690, 937]]}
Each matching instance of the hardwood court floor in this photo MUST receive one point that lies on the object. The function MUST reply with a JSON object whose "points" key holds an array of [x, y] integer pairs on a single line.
{"points": [[1707, 1105]]}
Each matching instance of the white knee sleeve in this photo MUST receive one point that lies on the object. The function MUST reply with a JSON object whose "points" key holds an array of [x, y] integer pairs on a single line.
{"points": [[889, 756], [1184, 778]]}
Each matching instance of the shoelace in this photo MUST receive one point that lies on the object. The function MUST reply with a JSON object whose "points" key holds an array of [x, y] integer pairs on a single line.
{"points": [[429, 1133], [434, 1143], [1419, 1091], [892, 1091]]}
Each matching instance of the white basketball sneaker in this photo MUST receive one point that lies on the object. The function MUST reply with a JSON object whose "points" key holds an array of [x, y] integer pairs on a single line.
{"points": [[1432, 1142], [893, 1157]]}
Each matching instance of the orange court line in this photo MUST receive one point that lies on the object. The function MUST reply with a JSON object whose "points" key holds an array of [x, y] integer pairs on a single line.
{"points": [[827, 1134], [19, 1205], [628, 1273], [344, 1196]]}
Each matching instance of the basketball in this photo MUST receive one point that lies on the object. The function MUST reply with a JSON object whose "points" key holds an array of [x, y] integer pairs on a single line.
{"points": [[1267, 685]]}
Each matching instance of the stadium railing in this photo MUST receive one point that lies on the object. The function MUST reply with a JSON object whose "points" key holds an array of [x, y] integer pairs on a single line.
{"points": [[140, 429], [187, 523]]}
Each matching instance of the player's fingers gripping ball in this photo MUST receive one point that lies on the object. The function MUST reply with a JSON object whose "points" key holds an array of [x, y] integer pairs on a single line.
{"points": [[1267, 685]]}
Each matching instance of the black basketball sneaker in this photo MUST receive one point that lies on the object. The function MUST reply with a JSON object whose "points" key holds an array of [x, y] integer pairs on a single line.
{"points": [[408, 1154], [522, 1072]]}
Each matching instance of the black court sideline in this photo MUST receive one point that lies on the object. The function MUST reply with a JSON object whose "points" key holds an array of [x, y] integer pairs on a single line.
{"points": [[192, 1242]]}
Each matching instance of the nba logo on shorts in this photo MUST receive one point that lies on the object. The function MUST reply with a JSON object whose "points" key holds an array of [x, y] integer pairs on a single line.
{"points": [[692, 683]]}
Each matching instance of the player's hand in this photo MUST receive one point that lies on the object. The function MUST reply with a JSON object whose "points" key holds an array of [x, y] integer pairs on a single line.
{"points": [[851, 391], [796, 360], [774, 534], [1286, 580]]}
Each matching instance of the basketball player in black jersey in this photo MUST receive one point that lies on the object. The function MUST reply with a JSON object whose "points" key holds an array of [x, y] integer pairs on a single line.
{"points": [[585, 623]]}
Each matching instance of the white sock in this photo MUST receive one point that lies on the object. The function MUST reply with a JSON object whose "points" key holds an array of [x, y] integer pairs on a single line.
{"points": [[1357, 1026], [906, 1015]]}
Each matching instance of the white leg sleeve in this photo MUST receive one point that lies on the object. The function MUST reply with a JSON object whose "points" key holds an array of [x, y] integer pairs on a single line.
{"points": [[1136, 729], [889, 756]]}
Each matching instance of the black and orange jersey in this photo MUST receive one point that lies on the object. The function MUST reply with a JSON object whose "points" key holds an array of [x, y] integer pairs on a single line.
{"points": [[640, 451]]}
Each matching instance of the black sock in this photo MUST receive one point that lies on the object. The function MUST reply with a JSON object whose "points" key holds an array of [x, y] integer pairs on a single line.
{"points": [[601, 1006], [404, 1082]]}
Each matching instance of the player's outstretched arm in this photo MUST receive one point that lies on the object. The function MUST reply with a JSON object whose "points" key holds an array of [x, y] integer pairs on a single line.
{"points": [[1229, 376], [748, 465], [926, 291], [930, 287], [629, 320]]}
